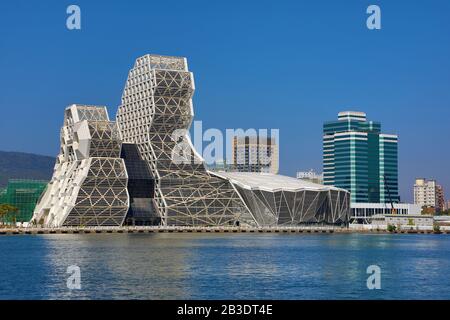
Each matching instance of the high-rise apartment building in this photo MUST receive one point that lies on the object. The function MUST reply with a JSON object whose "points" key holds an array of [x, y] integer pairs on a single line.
{"points": [[440, 197], [427, 193], [361, 159], [255, 154]]}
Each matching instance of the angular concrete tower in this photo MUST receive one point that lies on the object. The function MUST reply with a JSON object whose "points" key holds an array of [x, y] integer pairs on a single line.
{"points": [[89, 184], [155, 114]]}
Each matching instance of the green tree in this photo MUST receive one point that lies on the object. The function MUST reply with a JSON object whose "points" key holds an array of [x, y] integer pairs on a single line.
{"points": [[436, 228], [391, 228], [6, 209]]}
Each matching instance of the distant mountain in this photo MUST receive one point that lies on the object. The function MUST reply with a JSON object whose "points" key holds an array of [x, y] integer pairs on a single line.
{"points": [[18, 165]]}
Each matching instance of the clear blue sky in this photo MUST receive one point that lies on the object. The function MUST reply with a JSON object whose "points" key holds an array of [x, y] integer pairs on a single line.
{"points": [[261, 64]]}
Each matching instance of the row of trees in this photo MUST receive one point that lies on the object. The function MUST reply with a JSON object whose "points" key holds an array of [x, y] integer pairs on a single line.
{"points": [[8, 210], [433, 211]]}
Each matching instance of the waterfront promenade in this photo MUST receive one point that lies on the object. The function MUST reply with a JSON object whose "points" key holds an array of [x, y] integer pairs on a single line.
{"points": [[175, 229]]}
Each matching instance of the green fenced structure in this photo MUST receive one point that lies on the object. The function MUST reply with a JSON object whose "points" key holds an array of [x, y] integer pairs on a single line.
{"points": [[24, 195]]}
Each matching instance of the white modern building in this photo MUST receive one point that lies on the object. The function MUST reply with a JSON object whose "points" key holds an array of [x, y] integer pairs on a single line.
{"points": [[281, 200], [143, 169], [410, 221], [363, 212], [89, 184], [155, 114]]}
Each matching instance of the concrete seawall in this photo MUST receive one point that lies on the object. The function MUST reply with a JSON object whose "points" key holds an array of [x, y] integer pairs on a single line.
{"points": [[109, 230]]}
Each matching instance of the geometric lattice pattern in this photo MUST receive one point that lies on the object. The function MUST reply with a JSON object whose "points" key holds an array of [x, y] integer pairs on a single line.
{"points": [[296, 208], [89, 184], [155, 114], [157, 176], [281, 200]]}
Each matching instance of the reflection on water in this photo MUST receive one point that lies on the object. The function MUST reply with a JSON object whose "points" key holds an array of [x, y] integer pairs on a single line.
{"points": [[224, 266]]}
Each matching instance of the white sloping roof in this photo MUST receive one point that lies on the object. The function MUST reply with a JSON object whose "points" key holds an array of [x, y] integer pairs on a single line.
{"points": [[271, 182]]}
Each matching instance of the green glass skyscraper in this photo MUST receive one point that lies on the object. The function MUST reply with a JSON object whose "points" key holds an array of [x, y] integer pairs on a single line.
{"points": [[361, 159]]}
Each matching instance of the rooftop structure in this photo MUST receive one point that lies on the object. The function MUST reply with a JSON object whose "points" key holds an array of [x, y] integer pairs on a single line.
{"points": [[273, 182], [311, 176]]}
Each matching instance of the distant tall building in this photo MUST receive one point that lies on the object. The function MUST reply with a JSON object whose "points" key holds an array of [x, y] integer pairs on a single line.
{"points": [[428, 193], [440, 197], [361, 159], [255, 154], [447, 205], [311, 176]]}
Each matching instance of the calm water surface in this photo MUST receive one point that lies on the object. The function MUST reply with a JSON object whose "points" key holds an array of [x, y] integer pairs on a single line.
{"points": [[225, 266]]}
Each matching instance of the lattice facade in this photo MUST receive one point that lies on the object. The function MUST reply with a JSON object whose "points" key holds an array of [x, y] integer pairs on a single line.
{"points": [[89, 185], [281, 200], [157, 177], [292, 208], [155, 114]]}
